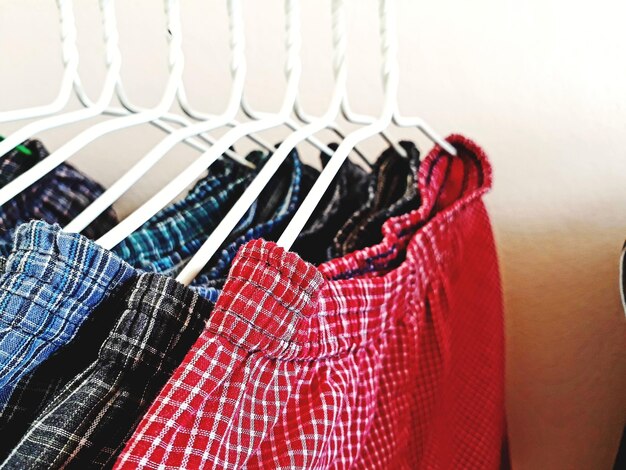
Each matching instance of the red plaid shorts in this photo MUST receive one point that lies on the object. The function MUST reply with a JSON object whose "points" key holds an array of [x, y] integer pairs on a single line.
{"points": [[390, 357]]}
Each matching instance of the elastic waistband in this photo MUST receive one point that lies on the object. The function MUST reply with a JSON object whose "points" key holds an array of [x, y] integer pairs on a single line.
{"points": [[281, 306]]}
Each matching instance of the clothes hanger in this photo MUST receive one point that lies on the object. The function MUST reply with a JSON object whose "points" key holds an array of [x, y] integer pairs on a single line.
{"points": [[183, 102], [86, 137], [159, 123], [163, 197], [346, 109], [250, 113], [134, 174], [388, 35], [350, 116], [129, 107], [113, 64], [200, 116], [364, 120], [306, 118], [354, 118], [230, 220], [199, 166], [290, 123], [71, 81]]}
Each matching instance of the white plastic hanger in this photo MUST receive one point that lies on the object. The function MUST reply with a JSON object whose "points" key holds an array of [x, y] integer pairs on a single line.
{"points": [[163, 197], [70, 70], [306, 118], [389, 48], [199, 166], [290, 123], [69, 42], [339, 53], [346, 109], [249, 112], [183, 102], [113, 64], [159, 123], [363, 120], [200, 116], [228, 223], [98, 130], [71, 81], [101, 129], [134, 174]]}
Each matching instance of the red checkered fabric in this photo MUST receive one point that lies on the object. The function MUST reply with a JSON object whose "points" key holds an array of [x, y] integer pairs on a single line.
{"points": [[391, 357]]}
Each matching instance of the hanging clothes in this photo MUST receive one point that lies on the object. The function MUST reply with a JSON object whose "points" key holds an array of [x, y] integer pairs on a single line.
{"points": [[277, 203], [111, 383], [389, 357], [58, 197], [178, 231], [392, 191], [50, 283], [346, 195], [89, 396], [389, 351]]}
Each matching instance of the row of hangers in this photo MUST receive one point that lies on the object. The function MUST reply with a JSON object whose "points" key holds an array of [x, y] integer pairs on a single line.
{"points": [[196, 133]]}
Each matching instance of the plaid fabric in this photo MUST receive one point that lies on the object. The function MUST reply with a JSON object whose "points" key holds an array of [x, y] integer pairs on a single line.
{"points": [[87, 422], [43, 390], [51, 282], [277, 203], [58, 197], [14, 163], [402, 369], [347, 194], [178, 231], [38, 387], [391, 192]]}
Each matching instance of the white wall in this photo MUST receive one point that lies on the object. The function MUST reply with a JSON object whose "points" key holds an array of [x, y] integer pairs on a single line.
{"points": [[541, 84]]}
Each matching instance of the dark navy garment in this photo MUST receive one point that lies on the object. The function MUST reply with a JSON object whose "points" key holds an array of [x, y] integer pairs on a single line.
{"points": [[58, 197], [347, 194], [275, 206], [18, 160], [50, 283], [391, 192]]}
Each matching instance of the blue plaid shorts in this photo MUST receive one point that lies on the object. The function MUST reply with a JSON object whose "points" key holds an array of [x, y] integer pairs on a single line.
{"points": [[49, 284]]}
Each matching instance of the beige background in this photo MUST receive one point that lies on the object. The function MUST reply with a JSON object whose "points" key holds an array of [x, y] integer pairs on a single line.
{"points": [[541, 84]]}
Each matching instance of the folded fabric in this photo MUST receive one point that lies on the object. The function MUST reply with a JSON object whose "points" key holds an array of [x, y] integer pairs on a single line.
{"points": [[392, 191], [347, 193], [50, 283], [390, 357], [58, 197], [103, 387]]}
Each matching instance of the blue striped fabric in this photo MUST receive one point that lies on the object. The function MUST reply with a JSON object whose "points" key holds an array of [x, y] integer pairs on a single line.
{"points": [[49, 284], [178, 231]]}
